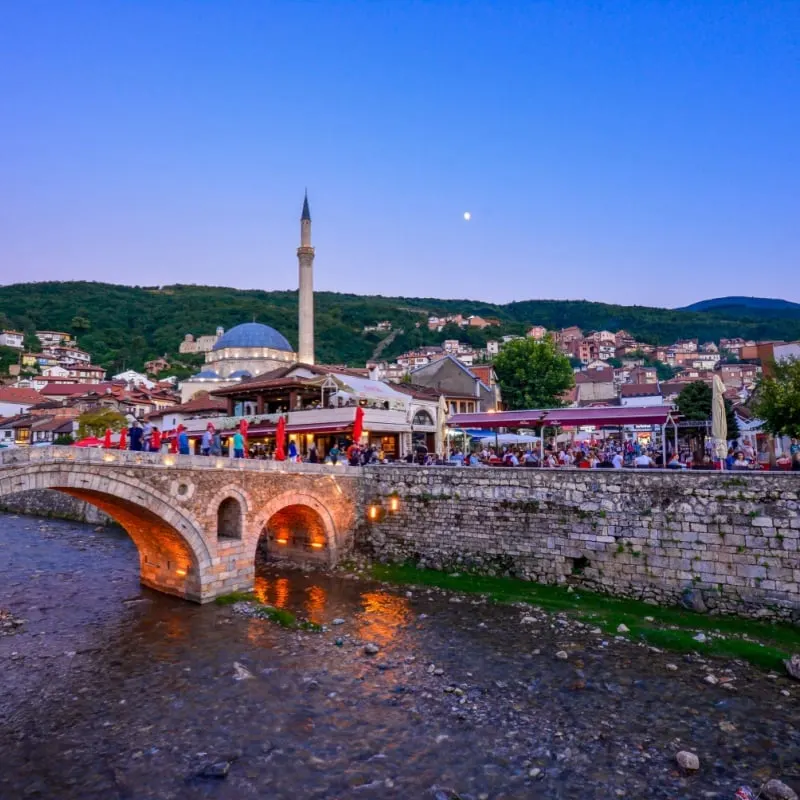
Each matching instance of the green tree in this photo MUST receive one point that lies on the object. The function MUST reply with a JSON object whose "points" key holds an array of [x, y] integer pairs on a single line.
{"points": [[98, 421], [777, 398], [694, 403], [80, 324], [8, 356], [31, 342], [533, 374], [64, 439]]}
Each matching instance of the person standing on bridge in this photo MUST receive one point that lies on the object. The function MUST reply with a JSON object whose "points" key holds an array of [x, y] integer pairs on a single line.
{"points": [[216, 444], [136, 436], [183, 441], [238, 445], [207, 440]]}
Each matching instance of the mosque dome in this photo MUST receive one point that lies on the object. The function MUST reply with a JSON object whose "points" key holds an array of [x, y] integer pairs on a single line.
{"points": [[240, 373], [207, 374], [253, 334]]}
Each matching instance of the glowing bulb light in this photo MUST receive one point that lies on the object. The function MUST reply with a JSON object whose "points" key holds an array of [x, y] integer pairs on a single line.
{"points": [[317, 545], [282, 541], [394, 504]]}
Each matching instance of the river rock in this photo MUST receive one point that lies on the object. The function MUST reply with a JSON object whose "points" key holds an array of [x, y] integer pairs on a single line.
{"points": [[241, 673], [371, 649], [700, 637], [219, 769], [562, 655], [623, 628], [793, 666], [777, 790], [688, 761], [693, 600], [338, 621]]}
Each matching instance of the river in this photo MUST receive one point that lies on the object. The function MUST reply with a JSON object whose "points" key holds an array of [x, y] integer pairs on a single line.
{"points": [[112, 691]]}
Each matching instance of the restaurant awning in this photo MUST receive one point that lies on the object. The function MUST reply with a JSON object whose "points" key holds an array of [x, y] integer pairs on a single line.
{"points": [[603, 416]]}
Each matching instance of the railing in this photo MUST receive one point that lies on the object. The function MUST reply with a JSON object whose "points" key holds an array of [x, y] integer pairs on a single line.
{"points": [[125, 458]]}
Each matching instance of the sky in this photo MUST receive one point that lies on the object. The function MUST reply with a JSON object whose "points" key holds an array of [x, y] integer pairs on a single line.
{"points": [[633, 152]]}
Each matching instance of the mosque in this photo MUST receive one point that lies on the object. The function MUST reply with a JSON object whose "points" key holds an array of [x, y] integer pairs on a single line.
{"points": [[251, 349]]}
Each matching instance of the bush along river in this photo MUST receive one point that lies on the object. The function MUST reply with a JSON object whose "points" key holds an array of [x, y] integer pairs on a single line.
{"points": [[373, 682]]}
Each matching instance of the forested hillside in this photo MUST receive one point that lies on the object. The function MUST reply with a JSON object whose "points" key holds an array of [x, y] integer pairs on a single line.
{"points": [[125, 326]]}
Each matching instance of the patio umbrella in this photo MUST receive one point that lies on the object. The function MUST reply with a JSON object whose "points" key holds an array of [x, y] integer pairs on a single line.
{"points": [[123, 439], [107, 439], [719, 422], [442, 426], [89, 441], [358, 425], [280, 436]]}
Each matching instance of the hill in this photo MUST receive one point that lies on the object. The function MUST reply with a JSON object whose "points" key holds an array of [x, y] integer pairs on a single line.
{"points": [[123, 326], [745, 305]]}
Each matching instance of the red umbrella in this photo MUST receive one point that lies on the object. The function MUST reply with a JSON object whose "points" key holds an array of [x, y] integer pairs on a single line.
{"points": [[280, 436], [89, 441], [123, 439], [107, 439], [243, 430], [358, 425]]}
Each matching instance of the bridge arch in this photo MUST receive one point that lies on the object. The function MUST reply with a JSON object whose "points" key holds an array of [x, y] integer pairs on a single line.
{"points": [[173, 554], [230, 508], [297, 526]]}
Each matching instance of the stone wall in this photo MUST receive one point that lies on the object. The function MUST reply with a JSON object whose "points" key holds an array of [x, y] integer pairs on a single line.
{"points": [[729, 539], [48, 503]]}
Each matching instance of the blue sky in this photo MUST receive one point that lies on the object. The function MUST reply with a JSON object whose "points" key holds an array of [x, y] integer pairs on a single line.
{"points": [[635, 152]]}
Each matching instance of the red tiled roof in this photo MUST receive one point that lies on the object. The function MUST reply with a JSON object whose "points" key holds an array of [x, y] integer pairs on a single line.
{"points": [[640, 390], [13, 394], [64, 389], [203, 402]]}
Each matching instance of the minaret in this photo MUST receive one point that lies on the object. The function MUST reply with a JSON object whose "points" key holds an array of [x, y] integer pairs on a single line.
{"points": [[305, 258]]}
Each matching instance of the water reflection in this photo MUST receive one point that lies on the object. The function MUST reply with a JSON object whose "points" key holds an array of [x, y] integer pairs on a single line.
{"points": [[384, 614], [315, 603], [273, 592]]}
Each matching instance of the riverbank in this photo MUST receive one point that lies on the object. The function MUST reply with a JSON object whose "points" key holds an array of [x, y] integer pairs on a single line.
{"points": [[766, 645], [111, 691]]}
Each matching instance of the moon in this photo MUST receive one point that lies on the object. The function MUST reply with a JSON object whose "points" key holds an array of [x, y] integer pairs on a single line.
{"points": [[467, 216]]}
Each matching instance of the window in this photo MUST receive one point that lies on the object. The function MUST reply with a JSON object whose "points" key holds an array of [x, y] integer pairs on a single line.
{"points": [[423, 418]]}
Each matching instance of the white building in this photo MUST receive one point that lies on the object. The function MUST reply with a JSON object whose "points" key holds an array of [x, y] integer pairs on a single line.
{"points": [[202, 344], [12, 339], [53, 338], [133, 378]]}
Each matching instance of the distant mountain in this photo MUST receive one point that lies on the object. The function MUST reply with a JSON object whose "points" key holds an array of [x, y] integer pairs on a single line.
{"points": [[123, 326], [757, 304]]}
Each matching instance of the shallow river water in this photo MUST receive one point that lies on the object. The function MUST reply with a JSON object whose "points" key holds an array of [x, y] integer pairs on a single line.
{"points": [[113, 691]]}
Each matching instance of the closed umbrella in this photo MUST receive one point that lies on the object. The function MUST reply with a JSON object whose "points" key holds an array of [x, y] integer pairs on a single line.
{"points": [[123, 439], [107, 439], [719, 422], [441, 445], [280, 437], [89, 441], [243, 430], [358, 425]]}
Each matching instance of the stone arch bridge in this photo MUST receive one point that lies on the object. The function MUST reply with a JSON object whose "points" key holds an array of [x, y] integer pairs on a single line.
{"points": [[197, 521]]}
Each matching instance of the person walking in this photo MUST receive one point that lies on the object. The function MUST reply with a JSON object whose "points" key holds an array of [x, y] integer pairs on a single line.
{"points": [[216, 444], [183, 442], [334, 453], [238, 445], [313, 458], [292, 451], [155, 440], [206, 442]]}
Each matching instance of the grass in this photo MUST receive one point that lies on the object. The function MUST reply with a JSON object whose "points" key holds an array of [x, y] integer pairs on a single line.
{"points": [[765, 645], [281, 616]]}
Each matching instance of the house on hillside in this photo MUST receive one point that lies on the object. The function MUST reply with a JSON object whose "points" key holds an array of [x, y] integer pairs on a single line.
{"points": [[595, 384], [464, 391], [641, 394], [15, 401]]}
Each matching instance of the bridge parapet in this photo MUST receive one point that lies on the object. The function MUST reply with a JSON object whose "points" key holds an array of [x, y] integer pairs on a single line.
{"points": [[91, 455]]}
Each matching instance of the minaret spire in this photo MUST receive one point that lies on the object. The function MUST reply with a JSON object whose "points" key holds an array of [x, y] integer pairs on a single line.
{"points": [[305, 259]]}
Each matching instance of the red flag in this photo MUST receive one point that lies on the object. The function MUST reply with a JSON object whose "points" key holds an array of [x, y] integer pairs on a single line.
{"points": [[280, 437], [107, 439], [123, 439], [358, 425]]}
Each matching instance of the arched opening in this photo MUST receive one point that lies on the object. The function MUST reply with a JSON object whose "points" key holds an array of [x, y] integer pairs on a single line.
{"points": [[423, 418], [294, 533], [166, 561], [172, 552], [229, 519]]}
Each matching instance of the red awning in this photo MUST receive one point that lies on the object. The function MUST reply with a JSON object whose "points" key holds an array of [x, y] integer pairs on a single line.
{"points": [[319, 428], [566, 417]]}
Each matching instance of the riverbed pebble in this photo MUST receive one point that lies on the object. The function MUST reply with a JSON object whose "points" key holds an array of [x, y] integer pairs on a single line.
{"points": [[777, 790], [687, 761]]}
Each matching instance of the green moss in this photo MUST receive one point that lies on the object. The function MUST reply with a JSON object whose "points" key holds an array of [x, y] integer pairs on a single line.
{"points": [[235, 597], [281, 616], [762, 644]]}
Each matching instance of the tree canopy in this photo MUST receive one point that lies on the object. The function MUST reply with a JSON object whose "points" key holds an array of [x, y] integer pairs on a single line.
{"points": [[97, 422], [533, 374], [695, 401], [777, 398]]}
